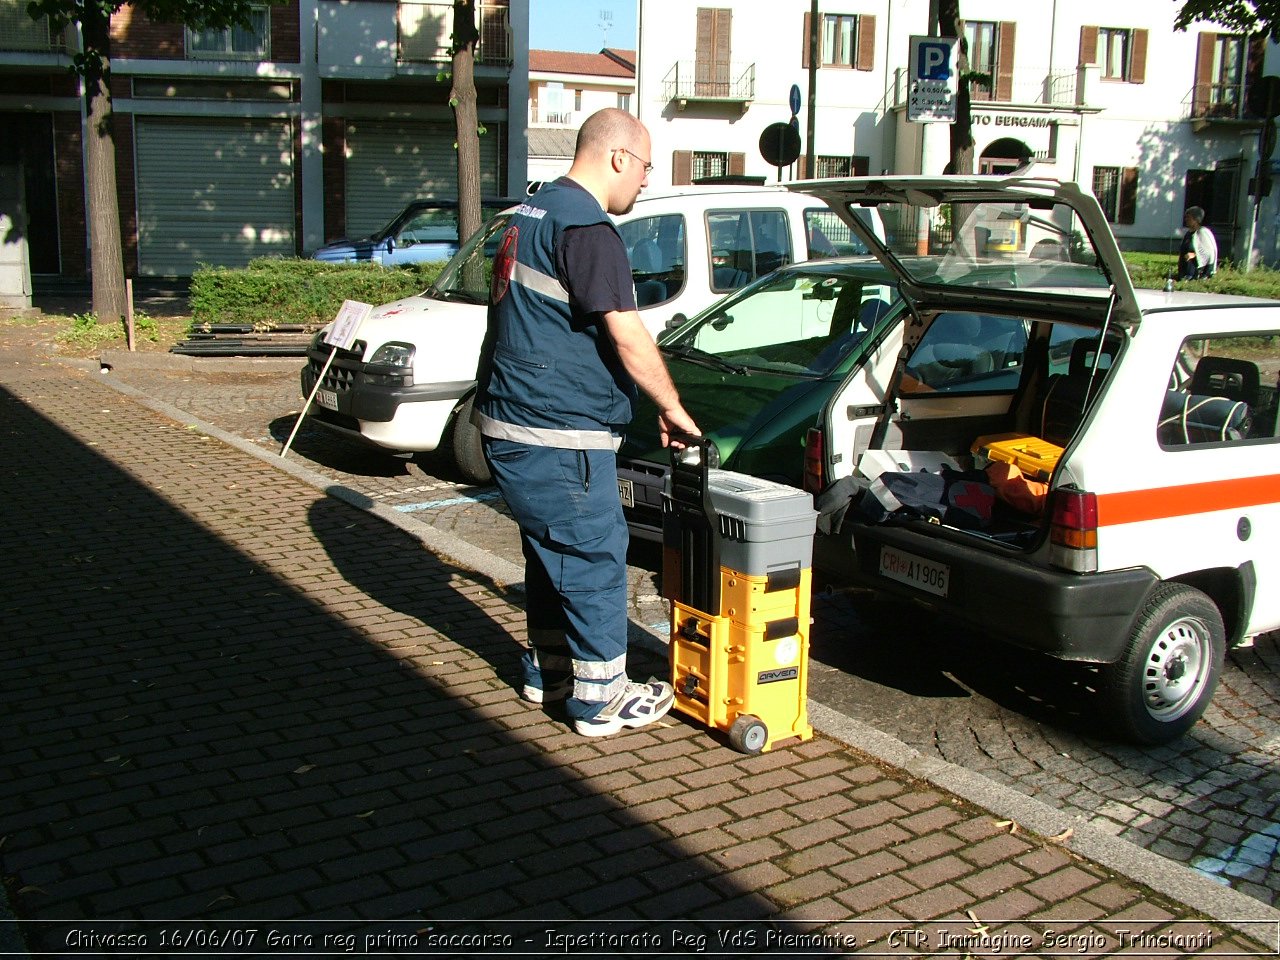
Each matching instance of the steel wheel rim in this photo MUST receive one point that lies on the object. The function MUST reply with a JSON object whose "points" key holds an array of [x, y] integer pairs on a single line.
{"points": [[1176, 669]]}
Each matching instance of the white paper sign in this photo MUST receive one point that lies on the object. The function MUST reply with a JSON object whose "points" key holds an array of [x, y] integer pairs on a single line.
{"points": [[346, 324]]}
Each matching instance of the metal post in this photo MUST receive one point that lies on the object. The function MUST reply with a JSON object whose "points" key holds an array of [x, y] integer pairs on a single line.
{"points": [[815, 26]]}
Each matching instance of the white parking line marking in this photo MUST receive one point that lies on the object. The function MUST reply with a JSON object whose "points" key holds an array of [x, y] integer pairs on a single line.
{"points": [[452, 501]]}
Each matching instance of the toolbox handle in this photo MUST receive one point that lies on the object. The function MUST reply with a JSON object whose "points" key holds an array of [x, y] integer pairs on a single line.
{"points": [[691, 546]]}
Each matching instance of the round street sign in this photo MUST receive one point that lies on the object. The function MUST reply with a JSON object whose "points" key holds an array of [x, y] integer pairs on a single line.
{"points": [[780, 144], [1264, 97], [794, 100]]}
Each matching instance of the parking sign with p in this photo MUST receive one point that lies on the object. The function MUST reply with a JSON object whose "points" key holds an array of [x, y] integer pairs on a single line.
{"points": [[933, 82]]}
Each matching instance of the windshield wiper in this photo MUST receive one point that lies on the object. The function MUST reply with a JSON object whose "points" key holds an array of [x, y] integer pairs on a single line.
{"points": [[454, 293], [695, 355]]}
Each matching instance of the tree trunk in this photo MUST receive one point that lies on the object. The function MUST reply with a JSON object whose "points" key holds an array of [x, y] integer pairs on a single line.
{"points": [[106, 259], [951, 24], [463, 100]]}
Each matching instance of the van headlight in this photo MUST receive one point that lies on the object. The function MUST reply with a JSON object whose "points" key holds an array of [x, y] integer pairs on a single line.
{"points": [[393, 354]]}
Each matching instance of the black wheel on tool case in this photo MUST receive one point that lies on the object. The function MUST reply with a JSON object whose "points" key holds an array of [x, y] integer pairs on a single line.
{"points": [[748, 735]]}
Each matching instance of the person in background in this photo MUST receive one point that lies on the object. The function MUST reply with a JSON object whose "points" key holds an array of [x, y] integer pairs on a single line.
{"points": [[1198, 256], [563, 355]]}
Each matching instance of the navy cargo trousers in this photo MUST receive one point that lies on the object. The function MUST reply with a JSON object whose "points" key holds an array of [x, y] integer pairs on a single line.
{"points": [[574, 538]]}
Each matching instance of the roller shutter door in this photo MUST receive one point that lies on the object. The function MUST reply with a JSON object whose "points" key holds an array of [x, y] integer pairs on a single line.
{"points": [[218, 192], [390, 164]]}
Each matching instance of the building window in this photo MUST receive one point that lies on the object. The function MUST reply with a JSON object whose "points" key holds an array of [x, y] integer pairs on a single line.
{"points": [[1227, 71], [624, 102], [1113, 52], [707, 164], [839, 39], [1117, 191], [981, 38], [235, 42], [577, 101], [832, 167]]}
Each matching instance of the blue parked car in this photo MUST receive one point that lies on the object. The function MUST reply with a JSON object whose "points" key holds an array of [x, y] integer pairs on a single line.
{"points": [[424, 231]]}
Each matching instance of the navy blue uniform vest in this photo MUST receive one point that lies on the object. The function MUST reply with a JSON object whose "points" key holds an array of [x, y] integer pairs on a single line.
{"points": [[549, 376]]}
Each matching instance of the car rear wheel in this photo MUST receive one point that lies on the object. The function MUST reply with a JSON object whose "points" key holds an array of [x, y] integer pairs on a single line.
{"points": [[467, 451], [1164, 681]]}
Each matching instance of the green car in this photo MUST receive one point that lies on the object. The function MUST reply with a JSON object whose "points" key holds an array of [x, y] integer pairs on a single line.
{"points": [[755, 370]]}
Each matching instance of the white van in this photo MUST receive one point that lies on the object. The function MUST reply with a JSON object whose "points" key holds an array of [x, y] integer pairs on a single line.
{"points": [[406, 384]]}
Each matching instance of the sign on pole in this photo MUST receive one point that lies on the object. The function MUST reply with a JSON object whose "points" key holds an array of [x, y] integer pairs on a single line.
{"points": [[933, 79], [341, 335]]}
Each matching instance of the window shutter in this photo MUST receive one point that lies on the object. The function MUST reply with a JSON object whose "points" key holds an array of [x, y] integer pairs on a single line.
{"points": [[804, 43], [1204, 74], [1128, 204], [1088, 45], [681, 167], [801, 167], [737, 164], [1004, 61], [1257, 49], [866, 58], [1138, 57]]}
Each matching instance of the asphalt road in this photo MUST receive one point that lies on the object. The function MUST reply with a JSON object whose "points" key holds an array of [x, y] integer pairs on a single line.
{"points": [[1210, 800]]}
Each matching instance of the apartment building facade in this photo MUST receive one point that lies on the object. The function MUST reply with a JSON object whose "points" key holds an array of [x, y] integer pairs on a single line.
{"points": [[320, 120], [564, 89], [1108, 95]]}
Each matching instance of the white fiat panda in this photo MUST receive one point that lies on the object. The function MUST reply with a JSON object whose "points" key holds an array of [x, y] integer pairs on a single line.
{"points": [[406, 384], [1040, 450]]}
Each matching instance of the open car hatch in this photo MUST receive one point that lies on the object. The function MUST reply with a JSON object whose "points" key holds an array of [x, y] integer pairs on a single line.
{"points": [[961, 240]]}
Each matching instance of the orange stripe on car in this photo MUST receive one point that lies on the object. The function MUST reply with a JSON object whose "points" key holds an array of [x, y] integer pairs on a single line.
{"points": [[1134, 506]]}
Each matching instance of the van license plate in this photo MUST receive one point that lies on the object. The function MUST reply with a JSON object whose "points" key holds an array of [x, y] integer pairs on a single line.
{"points": [[327, 399], [626, 492], [915, 571]]}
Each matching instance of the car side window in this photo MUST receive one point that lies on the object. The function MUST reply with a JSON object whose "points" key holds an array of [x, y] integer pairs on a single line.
{"points": [[1222, 390], [967, 353], [656, 247], [829, 236], [745, 244]]}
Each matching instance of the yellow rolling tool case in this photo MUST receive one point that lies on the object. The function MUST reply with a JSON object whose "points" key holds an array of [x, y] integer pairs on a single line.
{"points": [[737, 553]]}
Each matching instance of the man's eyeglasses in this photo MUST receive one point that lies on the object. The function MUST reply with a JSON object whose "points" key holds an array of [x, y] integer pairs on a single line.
{"points": [[648, 167]]}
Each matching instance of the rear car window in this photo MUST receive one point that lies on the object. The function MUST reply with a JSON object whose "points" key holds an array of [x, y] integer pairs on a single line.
{"points": [[1222, 390], [967, 353]]}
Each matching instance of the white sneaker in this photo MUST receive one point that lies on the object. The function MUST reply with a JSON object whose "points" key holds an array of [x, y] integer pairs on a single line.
{"points": [[638, 705]]}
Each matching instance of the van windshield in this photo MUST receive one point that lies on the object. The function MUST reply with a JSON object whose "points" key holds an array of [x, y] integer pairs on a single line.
{"points": [[467, 274]]}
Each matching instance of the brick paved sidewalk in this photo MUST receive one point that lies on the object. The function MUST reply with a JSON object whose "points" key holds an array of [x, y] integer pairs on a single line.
{"points": [[232, 698]]}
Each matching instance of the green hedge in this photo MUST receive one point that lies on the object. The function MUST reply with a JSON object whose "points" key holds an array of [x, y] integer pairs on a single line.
{"points": [[271, 292]]}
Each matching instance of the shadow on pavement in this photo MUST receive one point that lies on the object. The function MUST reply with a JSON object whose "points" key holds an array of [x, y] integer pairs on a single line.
{"points": [[191, 735]]}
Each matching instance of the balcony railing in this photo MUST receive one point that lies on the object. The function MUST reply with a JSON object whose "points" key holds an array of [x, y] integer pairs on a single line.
{"points": [[1217, 102], [426, 33], [19, 33], [1057, 89], [716, 81]]}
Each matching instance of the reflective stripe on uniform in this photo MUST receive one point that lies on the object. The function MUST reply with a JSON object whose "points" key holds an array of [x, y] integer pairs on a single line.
{"points": [[539, 282], [545, 436], [600, 669], [546, 651], [589, 692]]}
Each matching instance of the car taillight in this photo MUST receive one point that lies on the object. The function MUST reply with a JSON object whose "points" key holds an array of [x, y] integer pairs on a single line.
{"points": [[1073, 530], [813, 472]]}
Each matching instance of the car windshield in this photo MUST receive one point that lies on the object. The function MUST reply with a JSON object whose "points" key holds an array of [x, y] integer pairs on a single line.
{"points": [[805, 320], [992, 243], [467, 274]]}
